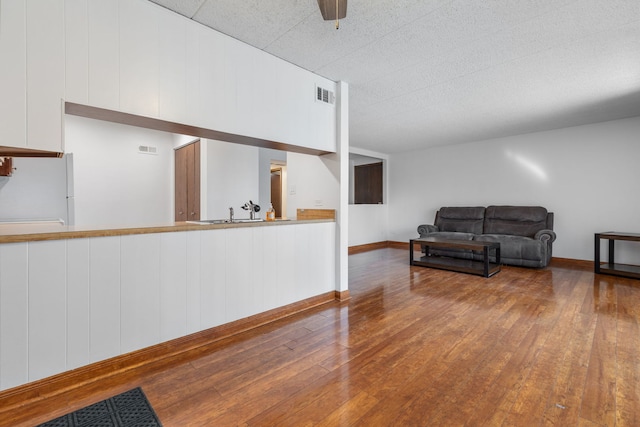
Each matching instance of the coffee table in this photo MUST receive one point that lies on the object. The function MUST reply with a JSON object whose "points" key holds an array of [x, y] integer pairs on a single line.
{"points": [[483, 268]]}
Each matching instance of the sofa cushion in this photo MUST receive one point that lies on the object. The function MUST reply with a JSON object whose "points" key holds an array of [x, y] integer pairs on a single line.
{"points": [[450, 235], [515, 220], [460, 219], [517, 247]]}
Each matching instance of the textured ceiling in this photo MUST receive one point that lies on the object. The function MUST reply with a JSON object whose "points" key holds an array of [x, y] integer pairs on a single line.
{"points": [[434, 72]]}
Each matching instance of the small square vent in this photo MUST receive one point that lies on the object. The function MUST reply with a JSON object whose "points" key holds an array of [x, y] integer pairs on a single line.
{"points": [[325, 96], [147, 149]]}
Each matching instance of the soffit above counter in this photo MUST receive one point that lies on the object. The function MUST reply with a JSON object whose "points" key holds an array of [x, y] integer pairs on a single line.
{"points": [[161, 125], [183, 129]]}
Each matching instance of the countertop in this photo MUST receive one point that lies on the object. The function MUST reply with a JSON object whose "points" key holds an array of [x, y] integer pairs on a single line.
{"points": [[15, 233]]}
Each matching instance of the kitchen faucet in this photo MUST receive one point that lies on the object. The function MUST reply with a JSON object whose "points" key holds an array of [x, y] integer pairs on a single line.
{"points": [[230, 213], [252, 208]]}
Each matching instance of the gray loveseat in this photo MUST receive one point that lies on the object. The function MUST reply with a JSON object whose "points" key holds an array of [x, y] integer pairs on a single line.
{"points": [[525, 233]]}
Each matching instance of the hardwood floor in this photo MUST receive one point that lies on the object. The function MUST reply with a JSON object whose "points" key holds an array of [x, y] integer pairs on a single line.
{"points": [[413, 347]]}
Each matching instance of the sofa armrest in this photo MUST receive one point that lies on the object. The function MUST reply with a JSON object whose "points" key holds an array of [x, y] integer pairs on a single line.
{"points": [[545, 235], [426, 228]]}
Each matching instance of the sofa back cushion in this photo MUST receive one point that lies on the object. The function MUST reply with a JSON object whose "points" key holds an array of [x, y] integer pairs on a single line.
{"points": [[515, 220], [461, 219]]}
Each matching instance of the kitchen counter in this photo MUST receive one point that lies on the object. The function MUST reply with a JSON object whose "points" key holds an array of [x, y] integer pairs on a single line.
{"points": [[15, 233], [81, 295]]}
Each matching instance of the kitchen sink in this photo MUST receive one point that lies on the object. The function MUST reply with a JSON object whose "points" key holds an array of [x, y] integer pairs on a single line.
{"points": [[224, 221], [209, 221]]}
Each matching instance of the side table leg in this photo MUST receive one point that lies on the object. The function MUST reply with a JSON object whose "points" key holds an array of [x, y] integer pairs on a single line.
{"points": [[410, 252], [596, 254], [611, 252], [485, 255]]}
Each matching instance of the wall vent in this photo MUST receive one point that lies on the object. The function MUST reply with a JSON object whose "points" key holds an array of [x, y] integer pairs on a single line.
{"points": [[325, 96], [147, 149]]}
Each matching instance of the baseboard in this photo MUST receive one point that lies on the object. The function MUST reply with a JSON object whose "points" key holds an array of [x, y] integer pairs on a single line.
{"points": [[574, 264], [154, 357], [398, 245], [368, 247], [342, 295]]}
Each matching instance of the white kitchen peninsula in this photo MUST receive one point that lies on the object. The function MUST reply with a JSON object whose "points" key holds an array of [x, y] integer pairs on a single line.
{"points": [[70, 297]]}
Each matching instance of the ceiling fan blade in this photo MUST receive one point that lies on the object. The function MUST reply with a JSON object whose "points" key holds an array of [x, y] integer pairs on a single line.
{"points": [[328, 9]]}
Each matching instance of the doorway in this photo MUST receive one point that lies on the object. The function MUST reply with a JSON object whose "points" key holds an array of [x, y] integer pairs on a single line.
{"points": [[187, 182], [276, 190]]}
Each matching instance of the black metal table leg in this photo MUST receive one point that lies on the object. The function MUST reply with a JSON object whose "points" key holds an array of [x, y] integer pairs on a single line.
{"points": [[596, 254], [485, 255], [411, 252], [611, 251]]}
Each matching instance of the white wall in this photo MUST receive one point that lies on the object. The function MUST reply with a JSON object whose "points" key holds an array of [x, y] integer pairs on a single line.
{"points": [[587, 175], [114, 184], [368, 224], [140, 58], [312, 182], [232, 178], [36, 191]]}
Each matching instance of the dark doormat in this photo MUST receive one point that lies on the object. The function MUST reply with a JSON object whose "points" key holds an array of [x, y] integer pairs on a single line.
{"points": [[128, 409]]}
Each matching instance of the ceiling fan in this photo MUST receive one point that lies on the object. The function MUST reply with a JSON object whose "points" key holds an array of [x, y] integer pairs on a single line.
{"points": [[333, 9]]}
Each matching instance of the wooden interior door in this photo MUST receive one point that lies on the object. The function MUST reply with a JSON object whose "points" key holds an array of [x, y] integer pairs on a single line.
{"points": [[276, 191], [368, 184], [187, 182], [6, 166]]}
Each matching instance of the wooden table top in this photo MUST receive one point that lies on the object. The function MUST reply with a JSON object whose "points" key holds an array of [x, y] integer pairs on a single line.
{"points": [[442, 242]]}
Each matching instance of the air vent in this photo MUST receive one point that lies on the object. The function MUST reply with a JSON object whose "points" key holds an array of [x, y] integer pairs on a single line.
{"points": [[147, 149], [325, 96]]}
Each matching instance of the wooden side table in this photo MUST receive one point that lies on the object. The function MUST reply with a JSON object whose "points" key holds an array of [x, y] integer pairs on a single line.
{"points": [[624, 270]]}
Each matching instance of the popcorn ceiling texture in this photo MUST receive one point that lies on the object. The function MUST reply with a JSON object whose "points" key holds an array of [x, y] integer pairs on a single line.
{"points": [[425, 73]]}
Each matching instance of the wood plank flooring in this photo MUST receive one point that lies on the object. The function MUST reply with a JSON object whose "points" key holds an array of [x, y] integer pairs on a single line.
{"points": [[413, 347]]}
